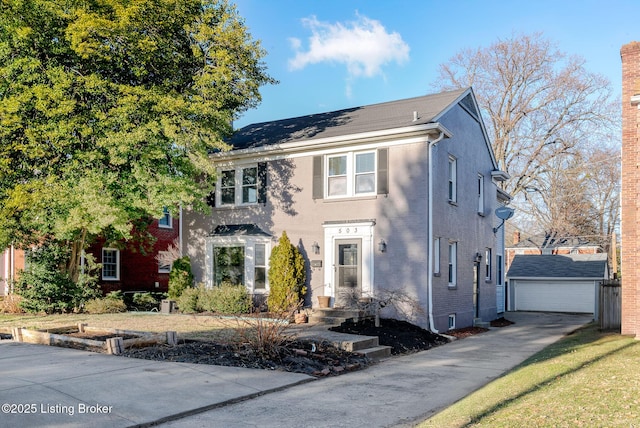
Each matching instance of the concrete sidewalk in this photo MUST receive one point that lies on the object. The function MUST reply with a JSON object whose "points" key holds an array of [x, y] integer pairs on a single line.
{"points": [[63, 387]]}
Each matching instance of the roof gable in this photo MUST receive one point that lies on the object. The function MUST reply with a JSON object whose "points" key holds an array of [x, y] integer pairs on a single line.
{"points": [[559, 266], [371, 118]]}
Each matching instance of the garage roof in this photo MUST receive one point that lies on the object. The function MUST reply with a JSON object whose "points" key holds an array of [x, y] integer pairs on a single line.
{"points": [[559, 266]]}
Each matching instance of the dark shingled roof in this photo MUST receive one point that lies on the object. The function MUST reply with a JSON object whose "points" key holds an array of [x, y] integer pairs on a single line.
{"points": [[375, 117], [559, 266]]}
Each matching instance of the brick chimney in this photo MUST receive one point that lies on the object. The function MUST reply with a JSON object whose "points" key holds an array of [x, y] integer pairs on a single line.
{"points": [[516, 237], [630, 266]]}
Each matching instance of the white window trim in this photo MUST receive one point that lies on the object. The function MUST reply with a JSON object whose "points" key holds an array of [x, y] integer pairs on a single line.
{"points": [[248, 242], [487, 263], [452, 321], [160, 268], [238, 187], [169, 217], [350, 174], [453, 263], [436, 256], [452, 179], [110, 278], [480, 194]]}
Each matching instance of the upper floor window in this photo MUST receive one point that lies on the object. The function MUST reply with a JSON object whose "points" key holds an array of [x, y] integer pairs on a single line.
{"points": [[242, 185], [480, 194], [351, 174], [165, 220], [110, 264], [452, 181]]}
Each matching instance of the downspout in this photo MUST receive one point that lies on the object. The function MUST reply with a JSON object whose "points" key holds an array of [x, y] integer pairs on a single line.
{"points": [[430, 234]]}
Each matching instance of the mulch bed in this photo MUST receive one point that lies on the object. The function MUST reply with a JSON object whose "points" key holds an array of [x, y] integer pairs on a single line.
{"points": [[402, 336], [312, 358], [302, 356]]}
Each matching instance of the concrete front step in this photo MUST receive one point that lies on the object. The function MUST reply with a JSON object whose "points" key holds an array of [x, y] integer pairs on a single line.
{"points": [[364, 345], [335, 316], [376, 353]]}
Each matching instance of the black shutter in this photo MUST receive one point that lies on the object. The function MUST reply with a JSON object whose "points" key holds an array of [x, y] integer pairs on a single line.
{"points": [[211, 199], [383, 171], [262, 182], [318, 177]]}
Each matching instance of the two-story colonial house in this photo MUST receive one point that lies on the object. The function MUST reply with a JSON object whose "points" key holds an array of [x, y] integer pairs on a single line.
{"points": [[393, 196]]}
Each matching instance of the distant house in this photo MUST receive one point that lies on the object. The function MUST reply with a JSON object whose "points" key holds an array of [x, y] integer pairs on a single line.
{"points": [[548, 244], [124, 267], [556, 283], [398, 196], [128, 269]]}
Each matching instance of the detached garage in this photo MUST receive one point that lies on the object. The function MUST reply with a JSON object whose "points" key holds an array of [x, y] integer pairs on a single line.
{"points": [[556, 283]]}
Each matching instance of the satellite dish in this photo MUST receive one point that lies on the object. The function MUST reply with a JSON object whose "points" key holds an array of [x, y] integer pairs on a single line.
{"points": [[504, 213]]}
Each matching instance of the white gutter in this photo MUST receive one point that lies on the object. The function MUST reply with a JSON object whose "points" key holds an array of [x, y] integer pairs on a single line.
{"points": [[430, 221]]}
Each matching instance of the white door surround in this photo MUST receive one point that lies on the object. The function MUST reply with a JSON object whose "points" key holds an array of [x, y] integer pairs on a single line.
{"points": [[362, 230]]}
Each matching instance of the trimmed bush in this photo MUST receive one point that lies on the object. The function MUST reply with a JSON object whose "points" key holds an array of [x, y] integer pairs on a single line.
{"points": [[180, 277], [287, 277], [226, 299], [105, 305], [187, 301], [144, 301], [229, 299]]}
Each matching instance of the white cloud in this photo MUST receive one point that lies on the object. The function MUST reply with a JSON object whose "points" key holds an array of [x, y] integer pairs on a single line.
{"points": [[364, 46]]}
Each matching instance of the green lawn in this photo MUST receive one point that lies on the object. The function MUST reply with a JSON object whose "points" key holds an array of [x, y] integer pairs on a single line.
{"points": [[187, 326], [587, 379]]}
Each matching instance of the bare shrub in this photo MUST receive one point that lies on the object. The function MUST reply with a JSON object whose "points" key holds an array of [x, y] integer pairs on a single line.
{"points": [[265, 333], [10, 304]]}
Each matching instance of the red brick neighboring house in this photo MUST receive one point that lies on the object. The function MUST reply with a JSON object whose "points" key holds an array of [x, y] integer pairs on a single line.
{"points": [[549, 244], [630, 268], [129, 270]]}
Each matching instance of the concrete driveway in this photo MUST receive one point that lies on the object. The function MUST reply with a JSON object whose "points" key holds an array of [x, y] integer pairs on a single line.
{"points": [[47, 386]]}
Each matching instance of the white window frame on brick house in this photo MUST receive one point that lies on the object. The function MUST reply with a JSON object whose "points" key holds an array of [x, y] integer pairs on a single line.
{"points": [[452, 192], [453, 263], [436, 257], [250, 269], [241, 183], [163, 267], [350, 174], [166, 221], [487, 264], [111, 265]]}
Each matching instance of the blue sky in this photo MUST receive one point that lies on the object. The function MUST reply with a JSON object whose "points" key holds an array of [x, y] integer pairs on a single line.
{"points": [[334, 54]]}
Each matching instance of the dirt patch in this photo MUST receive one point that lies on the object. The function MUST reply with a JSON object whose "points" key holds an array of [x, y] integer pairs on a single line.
{"points": [[403, 337], [461, 333], [312, 358], [501, 322]]}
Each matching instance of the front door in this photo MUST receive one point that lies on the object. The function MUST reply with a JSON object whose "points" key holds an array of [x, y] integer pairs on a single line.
{"points": [[348, 271]]}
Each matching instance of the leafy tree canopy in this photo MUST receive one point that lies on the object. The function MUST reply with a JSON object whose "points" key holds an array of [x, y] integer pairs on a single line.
{"points": [[109, 109]]}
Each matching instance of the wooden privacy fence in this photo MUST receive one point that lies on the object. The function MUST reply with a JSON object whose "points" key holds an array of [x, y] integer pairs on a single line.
{"points": [[610, 304]]}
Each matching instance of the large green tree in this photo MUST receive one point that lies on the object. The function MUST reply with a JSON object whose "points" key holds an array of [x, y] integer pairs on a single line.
{"points": [[109, 110]]}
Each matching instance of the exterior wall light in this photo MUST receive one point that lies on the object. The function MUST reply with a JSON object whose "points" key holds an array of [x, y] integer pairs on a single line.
{"points": [[315, 247], [382, 246]]}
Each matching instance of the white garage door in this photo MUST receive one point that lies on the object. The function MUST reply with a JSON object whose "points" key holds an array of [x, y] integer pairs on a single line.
{"points": [[555, 296]]}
